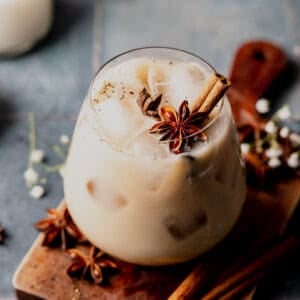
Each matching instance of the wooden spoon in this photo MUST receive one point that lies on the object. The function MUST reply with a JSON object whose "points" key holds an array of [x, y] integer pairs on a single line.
{"points": [[256, 65]]}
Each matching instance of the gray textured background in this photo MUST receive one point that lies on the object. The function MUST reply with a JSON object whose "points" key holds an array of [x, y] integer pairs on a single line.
{"points": [[53, 79]]}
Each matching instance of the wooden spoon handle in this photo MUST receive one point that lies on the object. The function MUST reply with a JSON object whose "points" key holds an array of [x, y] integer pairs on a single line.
{"points": [[255, 67]]}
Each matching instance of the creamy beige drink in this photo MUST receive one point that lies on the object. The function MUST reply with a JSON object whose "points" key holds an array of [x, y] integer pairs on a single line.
{"points": [[128, 193], [22, 24]]}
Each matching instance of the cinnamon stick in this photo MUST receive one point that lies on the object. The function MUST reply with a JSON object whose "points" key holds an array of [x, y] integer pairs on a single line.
{"points": [[236, 283], [245, 285], [253, 270], [194, 282], [212, 92], [205, 91]]}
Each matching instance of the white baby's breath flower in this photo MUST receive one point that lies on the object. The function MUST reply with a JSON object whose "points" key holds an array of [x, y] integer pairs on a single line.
{"points": [[296, 50], [273, 152], [61, 171], [284, 113], [293, 160], [64, 139], [245, 148], [259, 149], [37, 156], [274, 162], [284, 132], [262, 106], [37, 192], [31, 176], [295, 139], [271, 127]]}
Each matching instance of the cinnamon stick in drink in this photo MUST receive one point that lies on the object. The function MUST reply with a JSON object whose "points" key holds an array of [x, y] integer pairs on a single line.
{"points": [[212, 92], [205, 91]]}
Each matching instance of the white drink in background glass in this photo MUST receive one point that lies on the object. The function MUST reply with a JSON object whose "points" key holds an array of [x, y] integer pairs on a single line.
{"points": [[126, 191], [22, 24]]}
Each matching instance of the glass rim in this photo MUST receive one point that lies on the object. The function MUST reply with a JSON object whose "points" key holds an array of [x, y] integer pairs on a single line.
{"points": [[206, 125], [149, 48]]}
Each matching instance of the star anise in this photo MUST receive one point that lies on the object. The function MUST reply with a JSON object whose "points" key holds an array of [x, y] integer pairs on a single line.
{"points": [[2, 234], [89, 266], [148, 105], [59, 229], [180, 128]]}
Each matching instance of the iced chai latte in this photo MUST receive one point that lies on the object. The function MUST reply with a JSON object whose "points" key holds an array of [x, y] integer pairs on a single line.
{"points": [[152, 176]]}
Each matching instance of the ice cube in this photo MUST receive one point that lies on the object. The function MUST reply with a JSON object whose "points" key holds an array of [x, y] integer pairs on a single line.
{"points": [[147, 145], [228, 172], [196, 73], [181, 229], [156, 81], [142, 72], [105, 194], [117, 120], [185, 84], [113, 118], [176, 82]]}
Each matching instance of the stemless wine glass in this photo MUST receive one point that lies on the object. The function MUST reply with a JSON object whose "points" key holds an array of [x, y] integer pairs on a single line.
{"points": [[128, 194]]}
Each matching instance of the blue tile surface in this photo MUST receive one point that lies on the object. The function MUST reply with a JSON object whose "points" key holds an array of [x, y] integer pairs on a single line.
{"points": [[53, 78]]}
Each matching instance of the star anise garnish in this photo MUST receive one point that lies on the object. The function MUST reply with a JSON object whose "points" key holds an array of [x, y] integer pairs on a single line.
{"points": [[59, 229], [180, 128], [89, 266], [149, 106], [2, 234]]}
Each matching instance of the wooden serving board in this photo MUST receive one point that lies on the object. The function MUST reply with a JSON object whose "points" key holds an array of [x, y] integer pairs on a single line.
{"points": [[42, 273]]}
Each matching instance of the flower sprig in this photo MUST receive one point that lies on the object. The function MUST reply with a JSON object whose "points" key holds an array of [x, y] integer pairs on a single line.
{"points": [[36, 161], [270, 149]]}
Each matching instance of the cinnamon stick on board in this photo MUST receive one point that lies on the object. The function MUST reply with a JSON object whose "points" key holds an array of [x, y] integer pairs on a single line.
{"points": [[268, 259], [239, 281], [195, 281], [240, 289]]}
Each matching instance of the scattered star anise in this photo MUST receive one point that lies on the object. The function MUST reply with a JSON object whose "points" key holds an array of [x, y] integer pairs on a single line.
{"points": [[148, 105], [2, 234], [180, 128], [59, 229], [89, 266]]}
